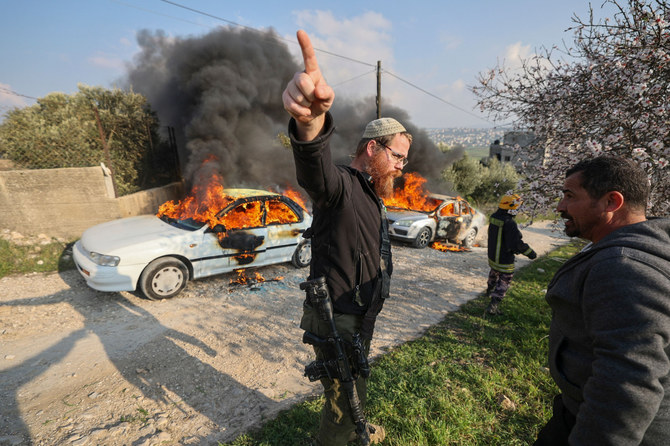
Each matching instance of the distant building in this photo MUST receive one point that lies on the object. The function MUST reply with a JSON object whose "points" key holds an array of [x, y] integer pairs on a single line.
{"points": [[505, 152]]}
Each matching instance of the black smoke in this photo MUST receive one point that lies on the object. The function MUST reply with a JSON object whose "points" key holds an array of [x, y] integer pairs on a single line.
{"points": [[424, 156], [221, 92]]}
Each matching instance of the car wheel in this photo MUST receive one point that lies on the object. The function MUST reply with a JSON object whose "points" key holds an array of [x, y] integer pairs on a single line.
{"points": [[422, 240], [163, 278], [469, 240], [302, 255]]}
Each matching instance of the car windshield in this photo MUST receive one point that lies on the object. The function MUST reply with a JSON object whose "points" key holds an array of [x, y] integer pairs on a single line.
{"points": [[187, 224]]}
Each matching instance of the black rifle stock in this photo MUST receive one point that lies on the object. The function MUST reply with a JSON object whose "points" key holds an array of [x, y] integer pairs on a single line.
{"points": [[337, 367]]}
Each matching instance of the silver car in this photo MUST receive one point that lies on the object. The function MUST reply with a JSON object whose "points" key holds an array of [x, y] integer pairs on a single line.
{"points": [[448, 218]]}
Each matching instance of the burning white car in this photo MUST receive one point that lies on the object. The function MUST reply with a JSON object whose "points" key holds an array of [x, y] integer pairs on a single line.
{"points": [[440, 217], [159, 254]]}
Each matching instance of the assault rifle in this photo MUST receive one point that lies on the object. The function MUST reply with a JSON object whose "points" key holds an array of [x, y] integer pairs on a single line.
{"points": [[336, 365]]}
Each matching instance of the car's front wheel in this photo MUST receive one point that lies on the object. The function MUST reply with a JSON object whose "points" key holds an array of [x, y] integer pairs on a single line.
{"points": [[423, 238], [163, 278], [470, 237], [302, 255]]}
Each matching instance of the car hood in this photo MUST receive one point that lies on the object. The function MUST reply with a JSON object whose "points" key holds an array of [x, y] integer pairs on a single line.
{"points": [[117, 235], [402, 214]]}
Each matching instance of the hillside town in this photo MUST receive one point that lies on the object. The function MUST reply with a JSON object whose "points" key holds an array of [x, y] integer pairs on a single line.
{"points": [[468, 138]]}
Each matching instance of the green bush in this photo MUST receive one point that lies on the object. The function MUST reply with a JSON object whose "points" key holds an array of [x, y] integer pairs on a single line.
{"points": [[62, 130], [481, 183]]}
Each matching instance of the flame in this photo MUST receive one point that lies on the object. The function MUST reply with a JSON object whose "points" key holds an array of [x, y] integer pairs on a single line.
{"points": [[245, 258], [413, 194], [447, 247], [201, 205], [295, 196], [243, 279], [205, 202]]}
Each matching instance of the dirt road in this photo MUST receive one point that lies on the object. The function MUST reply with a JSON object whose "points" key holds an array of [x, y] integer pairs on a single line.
{"points": [[83, 367]]}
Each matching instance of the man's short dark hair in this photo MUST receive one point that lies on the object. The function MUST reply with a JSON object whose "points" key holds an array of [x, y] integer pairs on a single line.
{"points": [[610, 173]]}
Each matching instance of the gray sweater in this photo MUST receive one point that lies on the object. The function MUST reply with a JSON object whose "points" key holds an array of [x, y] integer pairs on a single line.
{"points": [[609, 342]]}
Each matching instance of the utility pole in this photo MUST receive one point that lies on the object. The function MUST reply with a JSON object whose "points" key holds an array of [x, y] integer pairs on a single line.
{"points": [[379, 89]]}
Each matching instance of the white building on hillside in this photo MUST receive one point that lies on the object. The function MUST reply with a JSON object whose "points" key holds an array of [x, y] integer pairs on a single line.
{"points": [[510, 153]]}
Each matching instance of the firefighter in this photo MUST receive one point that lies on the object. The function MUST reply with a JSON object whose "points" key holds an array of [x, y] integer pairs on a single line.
{"points": [[504, 241]]}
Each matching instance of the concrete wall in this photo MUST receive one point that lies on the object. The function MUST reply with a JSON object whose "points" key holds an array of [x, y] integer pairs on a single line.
{"points": [[64, 202]]}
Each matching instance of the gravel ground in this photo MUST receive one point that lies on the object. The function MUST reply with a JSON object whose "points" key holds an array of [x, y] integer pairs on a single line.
{"points": [[84, 367]]}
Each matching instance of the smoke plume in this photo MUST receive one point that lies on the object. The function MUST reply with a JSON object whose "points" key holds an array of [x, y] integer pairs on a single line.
{"points": [[221, 92]]}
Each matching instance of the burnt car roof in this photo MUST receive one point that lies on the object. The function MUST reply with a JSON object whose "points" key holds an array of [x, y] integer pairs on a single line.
{"points": [[445, 197], [244, 193]]}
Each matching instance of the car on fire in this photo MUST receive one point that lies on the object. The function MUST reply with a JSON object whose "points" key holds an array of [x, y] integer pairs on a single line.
{"points": [[448, 218], [159, 255]]}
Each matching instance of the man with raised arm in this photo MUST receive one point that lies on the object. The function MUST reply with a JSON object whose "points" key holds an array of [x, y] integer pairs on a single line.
{"points": [[349, 234]]}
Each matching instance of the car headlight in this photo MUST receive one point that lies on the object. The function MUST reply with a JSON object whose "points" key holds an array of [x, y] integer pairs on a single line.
{"points": [[104, 260], [406, 223]]}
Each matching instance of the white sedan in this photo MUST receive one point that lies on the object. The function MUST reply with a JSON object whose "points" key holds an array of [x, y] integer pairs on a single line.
{"points": [[160, 255]]}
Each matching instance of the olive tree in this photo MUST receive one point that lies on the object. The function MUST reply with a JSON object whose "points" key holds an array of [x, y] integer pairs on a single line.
{"points": [[481, 183], [62, 130], [607, 93]]}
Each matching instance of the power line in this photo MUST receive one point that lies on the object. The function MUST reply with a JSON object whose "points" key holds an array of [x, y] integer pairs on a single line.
{"points": [[230, 22], [353, 78], [8, 91], [159, 13], [332, 54], [437, 97]]}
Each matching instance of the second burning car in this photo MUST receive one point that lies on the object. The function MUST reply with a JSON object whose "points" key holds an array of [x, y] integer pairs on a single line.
{"points": [[447, 218]]}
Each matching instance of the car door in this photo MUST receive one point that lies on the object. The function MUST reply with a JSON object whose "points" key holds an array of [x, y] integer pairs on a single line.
{"points": [[284, 230], [467, 214], [447, 214], [207, 256], [245, 237], [236, 242]]}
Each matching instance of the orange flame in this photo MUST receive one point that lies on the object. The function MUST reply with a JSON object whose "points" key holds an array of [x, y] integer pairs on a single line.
{"points": [[295, 196], [204, 203], [201, 205], [243, 279], [445, 247], [413, 195]]}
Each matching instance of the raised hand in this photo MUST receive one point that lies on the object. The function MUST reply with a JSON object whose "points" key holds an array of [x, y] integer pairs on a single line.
{"points": [[308, 96]]}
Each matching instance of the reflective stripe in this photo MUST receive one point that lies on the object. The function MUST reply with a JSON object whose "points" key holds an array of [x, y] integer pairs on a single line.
{"points": [[503, 268], [495, 263], [499, 224]]}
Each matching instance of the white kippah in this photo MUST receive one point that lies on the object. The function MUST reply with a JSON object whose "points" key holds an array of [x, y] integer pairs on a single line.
{"points": [[382, 127]]}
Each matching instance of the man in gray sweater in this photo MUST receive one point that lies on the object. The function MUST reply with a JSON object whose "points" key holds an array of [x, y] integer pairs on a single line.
{"points": [[609, 342]]}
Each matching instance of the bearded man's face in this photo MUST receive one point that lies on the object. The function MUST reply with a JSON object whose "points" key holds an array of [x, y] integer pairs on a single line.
{"points": [[383, 173]]}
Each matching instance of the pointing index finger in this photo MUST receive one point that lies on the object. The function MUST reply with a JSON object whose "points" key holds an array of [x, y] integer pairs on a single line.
{"points": [[308, 54]]}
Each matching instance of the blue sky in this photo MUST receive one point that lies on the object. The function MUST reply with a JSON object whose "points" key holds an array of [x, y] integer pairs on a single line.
{"points": [[437, 46]]}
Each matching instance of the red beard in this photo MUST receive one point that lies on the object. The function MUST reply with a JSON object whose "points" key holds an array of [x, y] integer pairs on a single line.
{"points": [[382, 179]]}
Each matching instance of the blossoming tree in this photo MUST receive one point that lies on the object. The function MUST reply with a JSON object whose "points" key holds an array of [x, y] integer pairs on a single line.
{"points": [[608, 93]]}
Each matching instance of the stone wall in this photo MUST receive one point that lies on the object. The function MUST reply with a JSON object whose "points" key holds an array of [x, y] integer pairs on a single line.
{"points": [[65, 202]]}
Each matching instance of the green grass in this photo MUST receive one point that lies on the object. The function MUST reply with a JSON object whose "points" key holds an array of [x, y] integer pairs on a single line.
{"points": [[18, 259], [448, 387]]}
